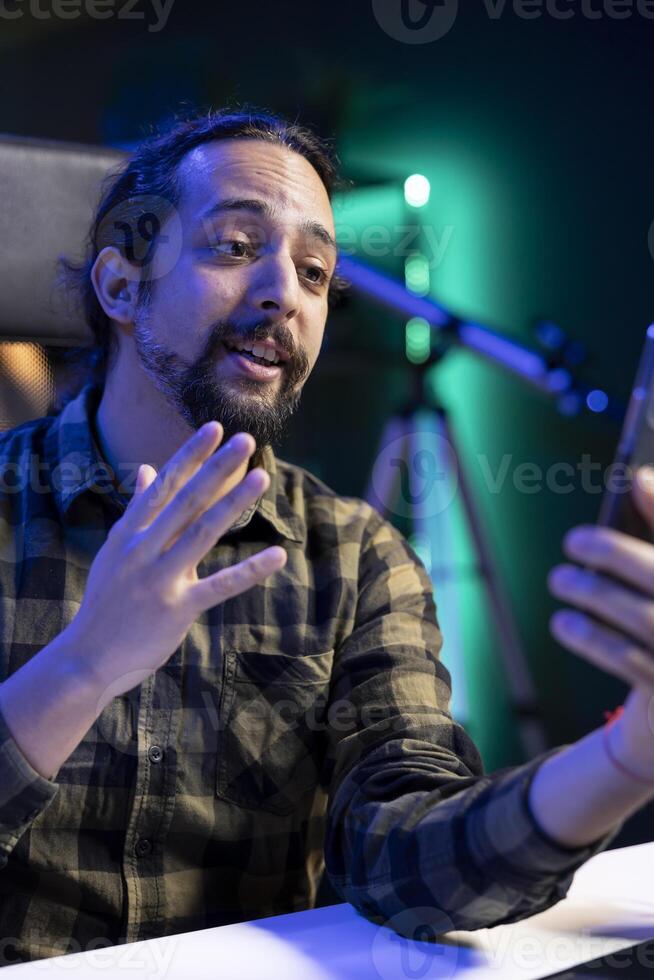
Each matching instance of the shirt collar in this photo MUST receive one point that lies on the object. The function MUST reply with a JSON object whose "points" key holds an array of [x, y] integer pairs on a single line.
{"points": [[79, 466]]}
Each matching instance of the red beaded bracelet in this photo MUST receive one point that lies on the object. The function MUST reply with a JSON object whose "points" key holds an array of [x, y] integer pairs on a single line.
{"points": [[611, 717]]}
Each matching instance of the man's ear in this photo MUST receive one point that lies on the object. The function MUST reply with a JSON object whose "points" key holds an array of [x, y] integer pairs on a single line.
{"points": [[115, 282]]}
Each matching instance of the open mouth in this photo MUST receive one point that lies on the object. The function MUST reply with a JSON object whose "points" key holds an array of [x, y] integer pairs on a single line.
{"points": [[254, 358], [254, 365]]}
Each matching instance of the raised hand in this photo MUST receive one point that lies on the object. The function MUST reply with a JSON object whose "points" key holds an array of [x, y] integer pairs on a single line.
{"points": [[143, 592]]}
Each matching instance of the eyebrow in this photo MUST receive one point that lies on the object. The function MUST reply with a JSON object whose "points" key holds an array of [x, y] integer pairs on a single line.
{"points": [[257, 206]]}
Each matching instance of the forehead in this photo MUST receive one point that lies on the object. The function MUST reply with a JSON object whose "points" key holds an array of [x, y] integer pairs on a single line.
{"points": [[254, 169]]}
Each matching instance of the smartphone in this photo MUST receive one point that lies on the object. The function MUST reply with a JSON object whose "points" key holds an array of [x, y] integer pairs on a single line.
{"points": [[634, 963], [635, 448]]}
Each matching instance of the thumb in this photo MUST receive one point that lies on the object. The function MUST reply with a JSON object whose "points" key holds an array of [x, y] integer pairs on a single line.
{"points": [[644, 492]]}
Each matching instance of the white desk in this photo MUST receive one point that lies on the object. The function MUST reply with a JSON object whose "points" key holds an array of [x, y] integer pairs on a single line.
{"points": [[610, 906]]}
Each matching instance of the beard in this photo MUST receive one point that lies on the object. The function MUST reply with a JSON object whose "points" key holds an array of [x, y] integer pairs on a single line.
{"points": [[240, 404]]}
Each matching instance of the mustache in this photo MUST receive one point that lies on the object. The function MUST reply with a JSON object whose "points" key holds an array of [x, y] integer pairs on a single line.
{"points": [[296, 369], [226, 330]]}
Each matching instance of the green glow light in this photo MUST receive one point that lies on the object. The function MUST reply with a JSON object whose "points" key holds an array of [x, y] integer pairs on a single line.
{"points": [[416, 274], [416, 190], [422, 547], [470, 195], [417, 340]]}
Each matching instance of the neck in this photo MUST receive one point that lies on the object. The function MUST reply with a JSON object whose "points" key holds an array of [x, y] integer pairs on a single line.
{"points": [[134, 424]]}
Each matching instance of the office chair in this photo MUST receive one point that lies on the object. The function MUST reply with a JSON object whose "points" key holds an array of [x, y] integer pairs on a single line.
{"points": [[48, 191]]}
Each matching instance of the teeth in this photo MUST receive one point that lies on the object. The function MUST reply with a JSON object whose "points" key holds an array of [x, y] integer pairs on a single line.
{"points": [[268, 353], [260, 350]]}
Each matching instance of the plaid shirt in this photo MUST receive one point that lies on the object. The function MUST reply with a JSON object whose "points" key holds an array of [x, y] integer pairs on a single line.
{"points": [[304, 722]]}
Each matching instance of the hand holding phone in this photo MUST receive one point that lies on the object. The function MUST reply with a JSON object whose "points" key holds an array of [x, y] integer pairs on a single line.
{"points": [[635, 449]]}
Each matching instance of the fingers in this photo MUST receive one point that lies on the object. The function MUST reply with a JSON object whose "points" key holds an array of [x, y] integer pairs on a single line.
{"points": [[202, 533], [238, 578], [618, 606], [199, 493], [146, 474], [178, 470], [620, 555], [617, 587], [604, 647]]}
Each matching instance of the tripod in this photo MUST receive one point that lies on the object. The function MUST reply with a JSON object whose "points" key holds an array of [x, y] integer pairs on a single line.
{"points": [[416, 476]]}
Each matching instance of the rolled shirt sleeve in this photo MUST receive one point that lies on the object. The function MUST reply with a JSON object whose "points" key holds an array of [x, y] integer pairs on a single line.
{"points": [[413, 821], [24, 793]]}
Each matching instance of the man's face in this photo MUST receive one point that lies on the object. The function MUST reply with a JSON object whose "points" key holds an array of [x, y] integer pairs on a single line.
{"points": [[247, 274]]}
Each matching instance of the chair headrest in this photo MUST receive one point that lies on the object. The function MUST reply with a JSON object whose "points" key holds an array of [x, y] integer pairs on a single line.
{"points": [[48, 193]]}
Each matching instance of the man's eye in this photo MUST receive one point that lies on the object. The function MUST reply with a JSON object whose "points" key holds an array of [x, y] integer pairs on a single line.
{"points": [[232, 247], [321, 277]]}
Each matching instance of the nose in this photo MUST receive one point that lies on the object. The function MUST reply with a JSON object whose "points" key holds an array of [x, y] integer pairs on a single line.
{"points": [[276, 287]]}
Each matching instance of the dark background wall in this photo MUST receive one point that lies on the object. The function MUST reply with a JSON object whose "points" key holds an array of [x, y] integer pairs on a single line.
{"points": [[536, 135]]}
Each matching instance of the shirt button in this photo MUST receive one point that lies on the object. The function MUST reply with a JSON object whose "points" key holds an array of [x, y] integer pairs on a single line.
{"points": [[142, 847], [155, 753]]}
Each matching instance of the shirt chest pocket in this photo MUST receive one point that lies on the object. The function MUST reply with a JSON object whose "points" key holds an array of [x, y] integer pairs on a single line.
{"points": [[272, 721]]}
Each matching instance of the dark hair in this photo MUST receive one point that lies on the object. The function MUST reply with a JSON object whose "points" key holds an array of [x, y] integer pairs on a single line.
{"points": [[143, 191]]}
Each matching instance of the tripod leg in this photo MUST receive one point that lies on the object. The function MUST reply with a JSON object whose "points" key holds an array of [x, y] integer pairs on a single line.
{"points": [[382, 488], [396, 468], [396, 488], [523, 694]]}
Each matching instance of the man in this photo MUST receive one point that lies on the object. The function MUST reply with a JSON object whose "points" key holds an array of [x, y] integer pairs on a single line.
{"points": [[219, 673]]}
